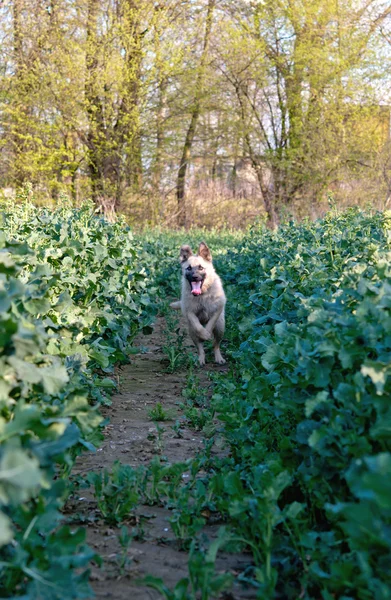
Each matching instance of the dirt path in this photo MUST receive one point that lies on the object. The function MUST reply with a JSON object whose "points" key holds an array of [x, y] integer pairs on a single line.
{"points": [[131, 439]]}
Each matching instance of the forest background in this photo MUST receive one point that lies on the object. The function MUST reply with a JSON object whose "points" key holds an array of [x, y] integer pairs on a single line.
{"points": [[197, 112]]}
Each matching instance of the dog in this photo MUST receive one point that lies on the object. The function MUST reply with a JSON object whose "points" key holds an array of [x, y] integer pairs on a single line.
{"points": [[202, 300]]}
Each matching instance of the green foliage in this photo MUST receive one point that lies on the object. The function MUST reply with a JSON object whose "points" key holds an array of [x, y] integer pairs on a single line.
{"points": [[194, 392], [125, 540], [196, 410], [116, 492], [303, 412], [175, 338], [302, 483], [203, 582], [306, 410], [93, 275], [157, 413], [72, 298], [197, 418], [177, 429]]}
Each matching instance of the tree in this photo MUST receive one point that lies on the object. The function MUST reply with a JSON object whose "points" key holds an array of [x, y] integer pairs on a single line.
{"points": [[149, 107], [297, 81], [195, 113]]}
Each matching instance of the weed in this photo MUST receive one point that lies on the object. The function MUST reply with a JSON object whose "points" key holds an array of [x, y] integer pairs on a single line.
{"points": [[158, 413], [174, 347], [202, 583], [177, 429], [117, 492], [198, 418], [194, 393], [159, 439], [125, 539]]}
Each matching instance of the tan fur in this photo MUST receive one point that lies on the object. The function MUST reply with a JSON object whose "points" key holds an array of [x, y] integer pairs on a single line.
{"points": [[204, 314]]}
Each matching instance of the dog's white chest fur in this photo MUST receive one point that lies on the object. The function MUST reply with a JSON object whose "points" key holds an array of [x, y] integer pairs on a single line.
{"points": [[204, 305]]}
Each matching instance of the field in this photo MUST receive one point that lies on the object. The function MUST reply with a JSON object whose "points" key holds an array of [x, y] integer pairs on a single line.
{"points": [[125, 468]]}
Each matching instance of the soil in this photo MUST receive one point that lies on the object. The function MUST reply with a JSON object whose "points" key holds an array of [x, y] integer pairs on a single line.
{"points": [[130, 437]]}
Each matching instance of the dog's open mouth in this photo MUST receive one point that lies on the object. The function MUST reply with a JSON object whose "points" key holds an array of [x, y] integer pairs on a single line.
{"points": [[196, 288]]}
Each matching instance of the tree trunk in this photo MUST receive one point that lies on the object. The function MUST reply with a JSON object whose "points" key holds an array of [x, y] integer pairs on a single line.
{"points": [[161, 100], [96, 133], [19, 93], [294, 80], [130, 117], [267, 197], [186, 153]]}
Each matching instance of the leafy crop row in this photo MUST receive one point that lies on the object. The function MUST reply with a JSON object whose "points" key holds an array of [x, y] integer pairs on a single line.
{"points": [[72, 298], [304, 483], [306, 412]]}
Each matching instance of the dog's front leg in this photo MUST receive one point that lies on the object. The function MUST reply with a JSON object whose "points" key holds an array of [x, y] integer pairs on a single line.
{"points": [[213, 320], [216, 326], [197, 333], [200, 350], [195, 325]]}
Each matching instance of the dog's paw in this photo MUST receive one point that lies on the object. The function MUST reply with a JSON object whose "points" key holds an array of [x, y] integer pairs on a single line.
{"points": [[219, 360], [176, 305], [204, 334]]}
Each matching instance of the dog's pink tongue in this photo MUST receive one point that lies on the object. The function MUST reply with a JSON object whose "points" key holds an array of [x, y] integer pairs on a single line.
{"points": [[196, 288]]}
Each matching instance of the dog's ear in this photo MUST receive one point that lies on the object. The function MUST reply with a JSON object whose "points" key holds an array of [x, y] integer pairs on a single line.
{"points": [[185, 253], [204, 252]]}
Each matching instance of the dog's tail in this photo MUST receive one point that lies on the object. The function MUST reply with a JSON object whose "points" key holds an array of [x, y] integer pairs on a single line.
{"points": [[176, 305]]}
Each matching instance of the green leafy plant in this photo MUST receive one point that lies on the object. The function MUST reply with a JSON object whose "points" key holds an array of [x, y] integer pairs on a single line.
{"points": [[125, 539], [197, 418], [158, 413], [203, 582], [194, 393], [177, 429], [116, 492], [174, 348]]}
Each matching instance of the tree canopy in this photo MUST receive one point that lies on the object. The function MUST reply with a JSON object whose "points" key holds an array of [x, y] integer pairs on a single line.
{"points": [[161, 108]]}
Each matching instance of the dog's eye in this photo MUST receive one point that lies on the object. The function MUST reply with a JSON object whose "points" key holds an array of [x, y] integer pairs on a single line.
{"points": [[201, 268], [188, 268]]}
